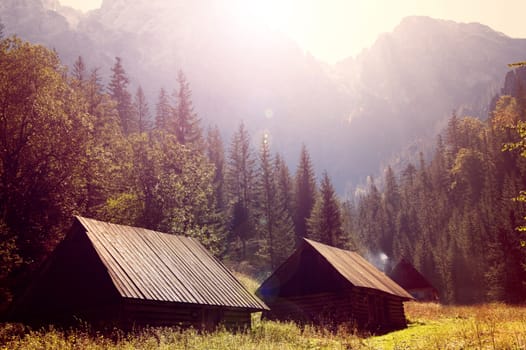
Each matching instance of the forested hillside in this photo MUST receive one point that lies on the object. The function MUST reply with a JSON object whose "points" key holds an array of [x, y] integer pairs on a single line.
{"points": [[70, 145], [457, 216]]}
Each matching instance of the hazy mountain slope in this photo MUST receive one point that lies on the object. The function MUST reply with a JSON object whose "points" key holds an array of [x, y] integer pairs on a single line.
{"points": [[352, 116], [412, 79]]}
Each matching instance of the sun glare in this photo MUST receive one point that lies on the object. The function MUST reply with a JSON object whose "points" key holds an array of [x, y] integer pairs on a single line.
{"points": [[272, 14]]}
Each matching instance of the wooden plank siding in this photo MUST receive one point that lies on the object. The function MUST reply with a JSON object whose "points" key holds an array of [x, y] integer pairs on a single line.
{"points": [[110, 274], [328, 286], [360, 309], [140, 313]]}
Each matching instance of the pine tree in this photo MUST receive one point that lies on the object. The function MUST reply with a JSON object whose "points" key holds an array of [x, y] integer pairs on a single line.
{"points": [[119, 92], [325, 222], [79, 71], [391, 207], [284, 209], [163, 115], [305, 194], [348, 210], [187, 125], [453, 134], [141, 110], [216, 155], [375, 227], [107, 167], [240, 184], [284, 187], [266, 189]]}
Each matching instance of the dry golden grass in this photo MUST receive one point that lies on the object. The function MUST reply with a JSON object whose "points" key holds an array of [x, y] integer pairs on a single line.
{"points": [[435, 326], [431, 326]]}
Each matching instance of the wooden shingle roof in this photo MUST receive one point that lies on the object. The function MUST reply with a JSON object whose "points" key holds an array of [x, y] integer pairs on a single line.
{"points": [[358, 271], [150, 265], [353, 268]]}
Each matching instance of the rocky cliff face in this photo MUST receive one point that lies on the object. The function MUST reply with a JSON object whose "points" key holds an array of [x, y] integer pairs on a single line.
{"points": [[352, 116], [411, 80]]}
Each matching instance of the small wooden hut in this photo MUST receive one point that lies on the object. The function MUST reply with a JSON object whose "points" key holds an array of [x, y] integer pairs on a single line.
{"points": [[324, 285], [115, 275], [408, 277]]}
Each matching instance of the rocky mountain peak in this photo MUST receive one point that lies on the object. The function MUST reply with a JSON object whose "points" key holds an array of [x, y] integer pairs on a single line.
{"points": [[353, 117]]}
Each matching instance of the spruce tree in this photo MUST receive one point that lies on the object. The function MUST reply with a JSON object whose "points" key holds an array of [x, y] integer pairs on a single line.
{"points": [[266, 191], [391, 207], [79, 71], [163, 112], [141, 110], [284, 211], [187, 126], [305, 194], [216, 155], [107, 167], [240, 183], [325, 221], [118, 88], [284, 187]]}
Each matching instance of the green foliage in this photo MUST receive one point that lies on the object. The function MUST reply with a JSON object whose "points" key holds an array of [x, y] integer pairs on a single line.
{"points": [[240, 182], [169, 189], [163, 115], [44, 128], [124, 208], [9, 261], [275, 225], [305, 194], [141, 110], [325, 222], [119, 93], [455, 220], [187, 124], [67, 147]]}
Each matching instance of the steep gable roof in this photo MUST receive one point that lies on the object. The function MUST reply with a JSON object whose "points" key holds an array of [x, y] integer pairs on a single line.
{"points": [[150, 265], [358, 271], [349, 265], [405, 274]]}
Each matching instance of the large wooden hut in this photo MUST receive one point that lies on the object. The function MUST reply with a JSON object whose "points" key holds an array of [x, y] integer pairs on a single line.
{"points": [[320, 284], [408, 277], [115, 275]]}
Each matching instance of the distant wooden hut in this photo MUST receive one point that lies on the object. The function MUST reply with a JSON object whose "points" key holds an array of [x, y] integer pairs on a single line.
{"points": [[324, 285], [405, 274], [114, 275]]}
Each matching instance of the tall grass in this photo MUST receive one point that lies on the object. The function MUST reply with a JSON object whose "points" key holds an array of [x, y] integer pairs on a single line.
{"points": [[431, 326], [268, 335], [434, 326]]}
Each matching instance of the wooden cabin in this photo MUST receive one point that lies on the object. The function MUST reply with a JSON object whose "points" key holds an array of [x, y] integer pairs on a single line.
{"points": [[323, 285], [115, 275], [408, 277]]}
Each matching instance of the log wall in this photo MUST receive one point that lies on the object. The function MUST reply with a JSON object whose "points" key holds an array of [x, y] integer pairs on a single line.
{"points": [[361, 308]]}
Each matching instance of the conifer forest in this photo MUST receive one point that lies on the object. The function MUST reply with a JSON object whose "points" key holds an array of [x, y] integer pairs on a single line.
{"points": [[73, 145]]}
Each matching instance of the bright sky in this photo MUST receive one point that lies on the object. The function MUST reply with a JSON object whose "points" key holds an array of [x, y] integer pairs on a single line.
{"points": [[335, 29]]}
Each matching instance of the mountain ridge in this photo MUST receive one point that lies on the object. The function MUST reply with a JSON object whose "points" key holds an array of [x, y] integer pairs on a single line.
{"points": [[354, 116]]}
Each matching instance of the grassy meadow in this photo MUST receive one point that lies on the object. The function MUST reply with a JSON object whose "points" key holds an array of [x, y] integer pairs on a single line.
{"points": [[431, 326]]}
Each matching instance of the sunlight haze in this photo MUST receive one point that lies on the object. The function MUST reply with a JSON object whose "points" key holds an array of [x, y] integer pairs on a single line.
{"points": [[333, 30]]}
